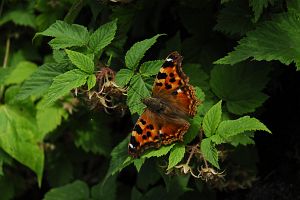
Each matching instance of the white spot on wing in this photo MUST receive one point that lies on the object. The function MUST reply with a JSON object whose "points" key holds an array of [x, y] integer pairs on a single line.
{"points": [[131, 146], [169, 59], [179, 91]]}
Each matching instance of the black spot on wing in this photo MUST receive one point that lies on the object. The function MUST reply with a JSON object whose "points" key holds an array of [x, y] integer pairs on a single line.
{"points": [[171, 74], [144, 137], [143, 121], [172, 80], [168, 64], [148, 134], [138, 129], [159, 84], [168, 86], [161, 75], [150, 126], [134, 142]]}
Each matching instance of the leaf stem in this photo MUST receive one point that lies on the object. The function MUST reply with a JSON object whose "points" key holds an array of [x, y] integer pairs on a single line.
{"points": [[5, 60]]}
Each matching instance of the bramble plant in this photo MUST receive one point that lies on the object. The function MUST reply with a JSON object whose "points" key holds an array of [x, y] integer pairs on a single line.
{"points": [[66, 112]]}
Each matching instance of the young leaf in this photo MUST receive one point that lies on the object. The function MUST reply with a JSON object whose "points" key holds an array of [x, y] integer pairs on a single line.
{"points": [[66, 35], [138, 163], [209, 152], [150, 68], [176, 155], [19, 138], [158, 152], [212, 119], [259, 44], [78, 190], [19, 73], [136, 92], [137, 52], [83, 62], [231, 128], [123, 77], [103, 36], [39, 82], [240, 86], [91, 81], [62, 84], [241, 139]]}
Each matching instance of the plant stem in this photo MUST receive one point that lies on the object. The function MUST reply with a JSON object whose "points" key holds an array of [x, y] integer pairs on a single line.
{"points": [[5, 60]]}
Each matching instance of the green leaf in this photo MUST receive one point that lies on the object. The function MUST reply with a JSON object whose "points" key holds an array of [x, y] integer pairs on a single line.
{"points": [[258, 6], [62, 84], [237, 12], [259, 44], [105, 190], [210, 152], [242, 139], [19, 73], [138, 163], [150, 68], [229, 128], [78, 190], [137, 52], [91, 81], [66, 35], [123, 77], [212, 119], [95, 136], [194, 129], [19, 17], [176, 155], [158, 152], [19, 138], [48, 118], [119, 158], [103, 36], [136, 92], [39, 82], [240, 86], [83, 62]]}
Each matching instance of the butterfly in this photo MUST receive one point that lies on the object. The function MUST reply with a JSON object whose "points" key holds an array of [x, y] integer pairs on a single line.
{"points": [[172, 102]]}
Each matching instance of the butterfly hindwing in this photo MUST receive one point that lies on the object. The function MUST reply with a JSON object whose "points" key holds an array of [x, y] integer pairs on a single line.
{"points": [[152, 130]]}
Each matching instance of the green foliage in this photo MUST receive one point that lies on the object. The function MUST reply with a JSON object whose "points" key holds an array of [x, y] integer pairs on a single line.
{"points": [[18, 73], [19, 17], [77, 190], [210, 152], [176, 155], [19, 138], [212, 119], [102, 36], [66, 35], [81, 61], [63, 83], [137, 52], [259, 43], [240, 86], [258, 6], [40, 81], [78, 145]]}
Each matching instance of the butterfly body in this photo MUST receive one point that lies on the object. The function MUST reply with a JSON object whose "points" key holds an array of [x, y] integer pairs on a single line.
{"points": [[171, 103]]}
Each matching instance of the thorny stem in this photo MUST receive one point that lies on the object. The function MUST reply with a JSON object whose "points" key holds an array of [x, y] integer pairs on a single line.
{"points": [[5, 60]]}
